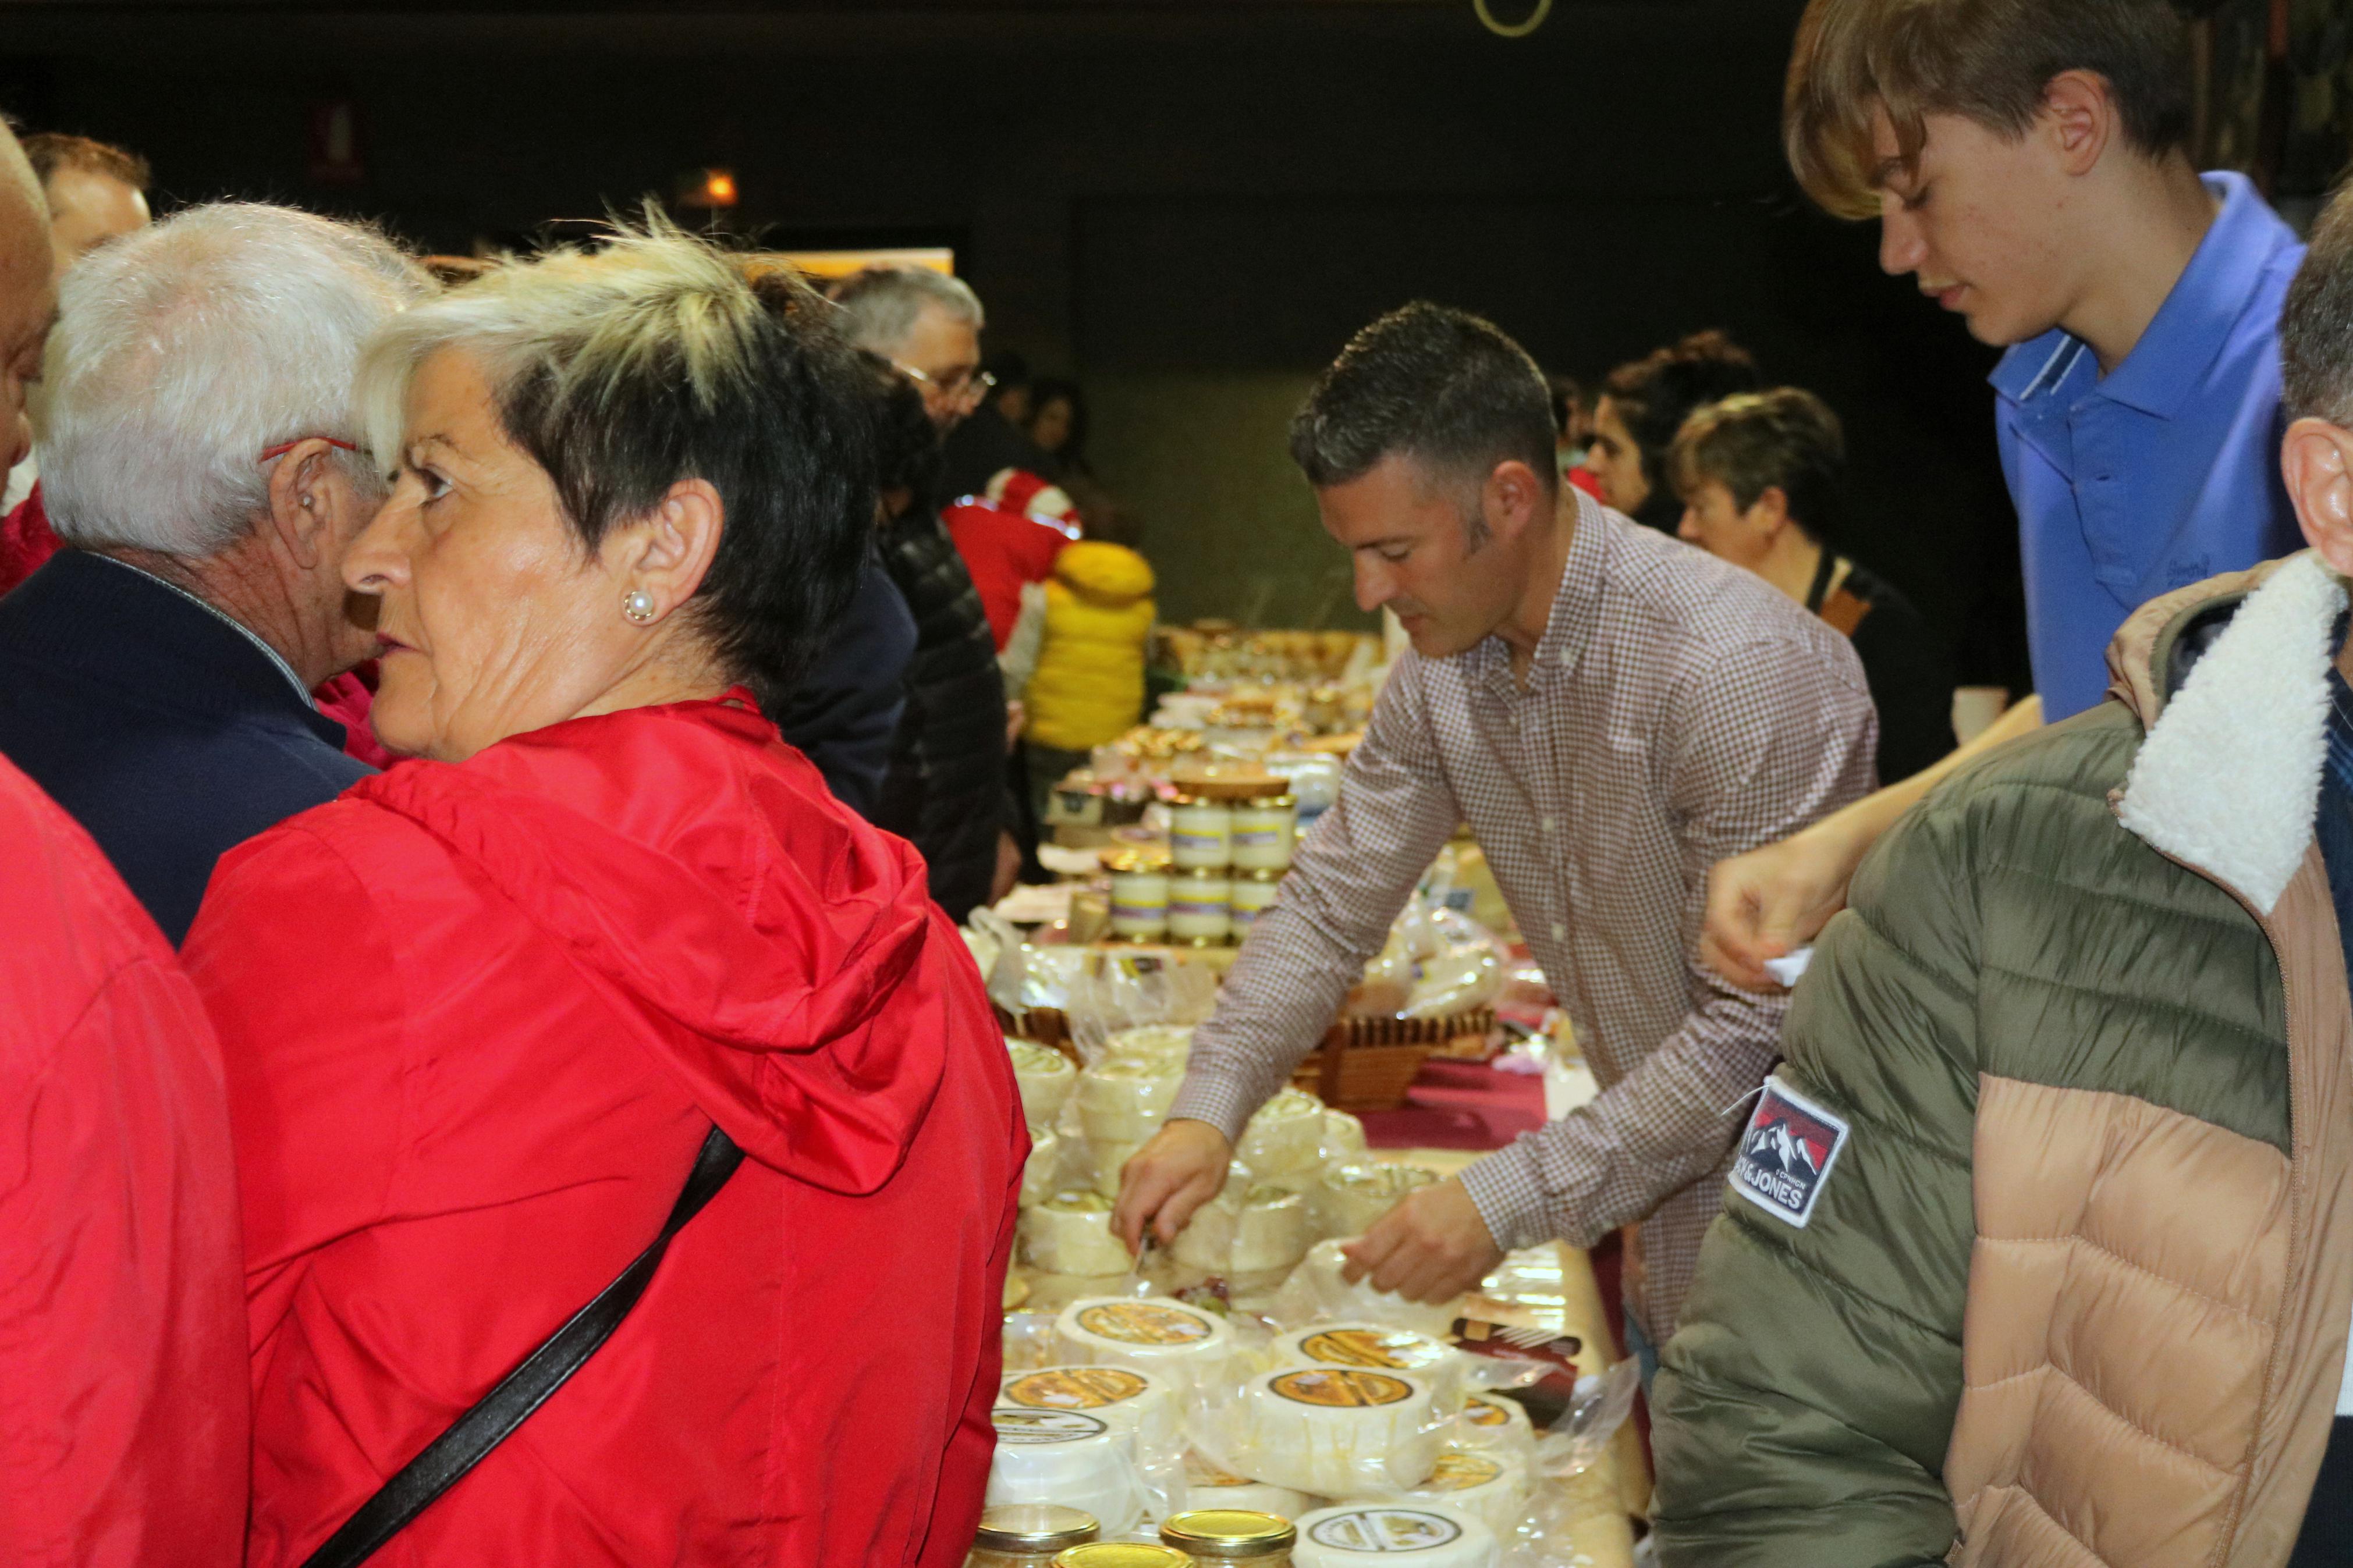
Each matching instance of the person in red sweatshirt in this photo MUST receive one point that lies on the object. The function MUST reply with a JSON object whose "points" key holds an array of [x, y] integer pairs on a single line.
{"points": [[485, 1011]]}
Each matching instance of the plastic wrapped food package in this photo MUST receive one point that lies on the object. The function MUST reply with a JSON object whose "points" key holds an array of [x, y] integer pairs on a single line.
{"points": [[1286, 1134], [1390, 1535], [1140, 1402], [1318, 1292], [1122, 1098], [1209, 1484], [1487, 1484], [1344, 1135], [1354, 1195], [1168, 1043], [1379, 1347], [1045, 1076], [1246, 1230], [1491, 1421], [1041, 1174], [1338, 1431], [1067, 1458], [1070, 1233], [1187, 1345], [1104, 1161]]}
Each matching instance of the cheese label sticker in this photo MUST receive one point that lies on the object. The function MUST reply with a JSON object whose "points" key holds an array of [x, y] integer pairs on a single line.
{"points": [[1028, 1427], [1486, 1413], [1143, 1323], [1456, 1471], [1787, 1154], [1205, 1472], [1385, 1530], [1075, 1388], [1342, 1390], [1370, 1347]]}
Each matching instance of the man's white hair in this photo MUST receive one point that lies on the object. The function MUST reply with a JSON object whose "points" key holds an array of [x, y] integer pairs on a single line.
{"points": [[185, 349], [882, 303]]}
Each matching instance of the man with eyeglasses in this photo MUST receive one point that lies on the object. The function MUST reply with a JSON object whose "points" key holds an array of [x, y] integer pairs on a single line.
{"points": [[201, 469], [946, 791]]}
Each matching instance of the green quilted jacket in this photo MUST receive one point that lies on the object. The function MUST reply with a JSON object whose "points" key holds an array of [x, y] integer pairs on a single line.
{"points": [[2039, 1246]]}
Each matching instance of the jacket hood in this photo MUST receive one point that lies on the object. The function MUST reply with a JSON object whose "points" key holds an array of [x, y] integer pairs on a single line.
{"points": [[2228, 779], [1111, 573], [773, 948]]}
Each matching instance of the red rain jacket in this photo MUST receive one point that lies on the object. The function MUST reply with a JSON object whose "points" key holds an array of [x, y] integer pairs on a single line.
{"points": [[1004, 550], [123, 1389], [479, 1019]]}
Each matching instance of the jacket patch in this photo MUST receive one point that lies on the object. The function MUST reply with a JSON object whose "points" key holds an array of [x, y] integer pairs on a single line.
{"points": [[1787, 1153]]}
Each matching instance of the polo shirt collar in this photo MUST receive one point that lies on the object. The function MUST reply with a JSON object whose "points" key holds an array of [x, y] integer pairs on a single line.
{"points": [[2189, 330]]}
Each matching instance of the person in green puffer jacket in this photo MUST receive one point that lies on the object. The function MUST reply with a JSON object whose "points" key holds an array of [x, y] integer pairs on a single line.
{"points": [[2039, 1245]]}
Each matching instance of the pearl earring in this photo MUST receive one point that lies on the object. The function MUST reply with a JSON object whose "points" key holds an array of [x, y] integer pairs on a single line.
{"points": [[638, 605]]}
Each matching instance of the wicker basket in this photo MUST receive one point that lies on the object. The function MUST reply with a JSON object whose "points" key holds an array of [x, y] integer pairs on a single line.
{"points": [[1368, 1064]]}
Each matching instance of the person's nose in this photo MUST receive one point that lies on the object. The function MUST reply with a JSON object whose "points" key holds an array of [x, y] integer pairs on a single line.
{"points": [[20, 442], [1901, 246], [1375, 587], [377, 559]]}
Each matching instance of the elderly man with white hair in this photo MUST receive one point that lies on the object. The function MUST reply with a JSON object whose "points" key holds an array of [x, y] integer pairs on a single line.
{"points": [[203, 464]]}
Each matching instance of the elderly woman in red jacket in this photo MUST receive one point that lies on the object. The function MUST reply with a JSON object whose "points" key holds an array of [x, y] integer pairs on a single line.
{"points": [[483, 1013]]}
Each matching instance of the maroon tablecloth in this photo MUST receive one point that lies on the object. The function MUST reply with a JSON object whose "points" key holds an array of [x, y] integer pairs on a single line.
{"points": [[1459, 1105]]}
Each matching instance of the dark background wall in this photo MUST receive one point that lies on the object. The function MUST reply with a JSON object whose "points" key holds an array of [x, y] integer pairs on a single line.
{"points": [[1191, 206]]}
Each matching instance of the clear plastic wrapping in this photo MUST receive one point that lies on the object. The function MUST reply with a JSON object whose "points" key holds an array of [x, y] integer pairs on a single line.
{"points": [[1045, 1076], [1068, 1458], [1122, 1098], [1070, 1233], [1188, 1346], [1354, 1195], [1247, 1230], [1285, 1134], [1319, 1292]]}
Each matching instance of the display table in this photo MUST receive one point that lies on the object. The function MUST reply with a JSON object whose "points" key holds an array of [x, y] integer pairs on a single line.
{"points": [[1620, 1487]]}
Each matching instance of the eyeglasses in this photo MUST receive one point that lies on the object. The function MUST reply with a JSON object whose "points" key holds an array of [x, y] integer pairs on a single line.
{"points": [[963, 388], [271, 453]]}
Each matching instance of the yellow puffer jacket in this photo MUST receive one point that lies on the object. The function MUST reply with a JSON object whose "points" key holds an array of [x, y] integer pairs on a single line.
{"points": [[1089, 687]]}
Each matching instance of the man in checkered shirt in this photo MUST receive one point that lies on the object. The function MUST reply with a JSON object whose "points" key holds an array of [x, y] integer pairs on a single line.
{"points": [[1612, 712]]}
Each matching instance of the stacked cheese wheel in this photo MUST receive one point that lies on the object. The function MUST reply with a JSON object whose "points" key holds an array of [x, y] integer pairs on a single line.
{"points": [[1378, 1347], [1485, 1483], [1186, 1345], [1068, 1458], [1249, 1230], [1338, 1431], [1045, 1077], [1378, 1535], [1141, 1404], [1355, 1195], [1209, 1484], [1070, 1233]]}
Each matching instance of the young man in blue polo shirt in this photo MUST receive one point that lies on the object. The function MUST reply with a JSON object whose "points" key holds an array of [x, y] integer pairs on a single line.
{"points": [[2028, 162]]}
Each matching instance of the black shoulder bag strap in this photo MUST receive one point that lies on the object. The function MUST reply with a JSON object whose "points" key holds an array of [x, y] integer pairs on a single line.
{"points": [[505, 1407]]}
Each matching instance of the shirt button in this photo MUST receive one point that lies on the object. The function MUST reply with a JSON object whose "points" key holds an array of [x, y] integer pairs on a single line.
{"points": [[1550, 824], [1559, 931]]}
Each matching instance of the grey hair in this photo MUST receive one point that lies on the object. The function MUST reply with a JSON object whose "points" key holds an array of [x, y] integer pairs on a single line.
{"points": [[185, 349], [883, 302]]}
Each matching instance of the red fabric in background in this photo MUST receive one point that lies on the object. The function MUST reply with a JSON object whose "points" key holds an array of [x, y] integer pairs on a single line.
{"points": [[25, 539], [1459, 1105], [1002, 550]]}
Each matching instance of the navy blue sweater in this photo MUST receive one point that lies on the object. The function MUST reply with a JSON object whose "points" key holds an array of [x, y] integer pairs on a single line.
{"points": [[160, 727]]}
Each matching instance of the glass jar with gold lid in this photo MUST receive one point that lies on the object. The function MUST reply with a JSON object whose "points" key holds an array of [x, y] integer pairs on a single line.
{"points": [[1028, 1536], [1231, 1535], [1122, 1554]]}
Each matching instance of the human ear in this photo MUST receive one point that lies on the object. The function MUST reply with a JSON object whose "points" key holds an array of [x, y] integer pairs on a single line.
{"points": [[308, 499], [2317, 462], [1512, 497], [2079, 117], [1770, 515], [667, 554]]}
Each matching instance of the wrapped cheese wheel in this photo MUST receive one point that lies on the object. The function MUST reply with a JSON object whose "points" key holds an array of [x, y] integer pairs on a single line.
{"points": [[1484, 1483], [1355, 1195], [1104, 1162], [1385, 1535], [1168, 1044], [1382, 1348], [1184, 1345], [1344, 1135], [1335, 1430], [1070, 1233], [1286, 1134], [1491, 1421], [1067, 1458], [1318, 1291], [1039, 1175], [1046, 1076], [1141, 1403], [1209, 1484], [1122, 1100], [1257, 1230]]}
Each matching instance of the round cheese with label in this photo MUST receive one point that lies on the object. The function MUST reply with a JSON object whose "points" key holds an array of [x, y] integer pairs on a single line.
{"points": [[1142, 1403], [1045, 1076], [1209, 1484], [1286, 1134], [1380, 1347], [1491, 1421], [1184, 1345], [1123, 1100], [1485, 1483], [1070, 1233], [1355, 1195], [1254, 1230], [1339, 1431], [1390, 1535], [1067, 1458]]}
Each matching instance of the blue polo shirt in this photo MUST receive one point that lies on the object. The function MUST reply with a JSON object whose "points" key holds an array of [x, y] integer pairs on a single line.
{"points": [[2162, 474]]}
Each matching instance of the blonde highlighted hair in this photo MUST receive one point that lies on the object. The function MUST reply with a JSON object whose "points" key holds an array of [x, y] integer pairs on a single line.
{"points": [[1988, 60]]}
